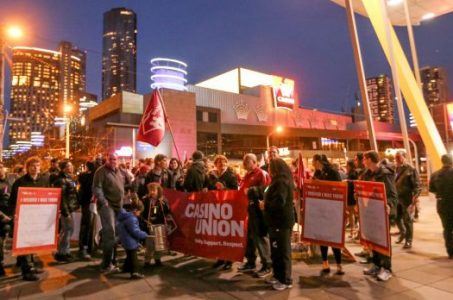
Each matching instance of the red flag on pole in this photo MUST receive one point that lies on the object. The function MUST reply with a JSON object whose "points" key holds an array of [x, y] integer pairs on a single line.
{"points": [[152, 124], [300, 176]]}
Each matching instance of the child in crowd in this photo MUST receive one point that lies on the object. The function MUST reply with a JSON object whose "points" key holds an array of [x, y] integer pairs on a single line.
{"points": [[155, 213], [130, 236]]}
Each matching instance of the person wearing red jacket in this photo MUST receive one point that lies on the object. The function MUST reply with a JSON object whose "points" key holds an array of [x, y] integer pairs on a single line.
{"points": [[253, 185]]}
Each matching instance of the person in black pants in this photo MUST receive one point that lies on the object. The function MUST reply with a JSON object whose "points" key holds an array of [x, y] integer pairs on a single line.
{"points": [[86, 223], [32, 178], [324, 171], [441, 184], [130, 236], [382, 264], [279, 214], [352, 203]]}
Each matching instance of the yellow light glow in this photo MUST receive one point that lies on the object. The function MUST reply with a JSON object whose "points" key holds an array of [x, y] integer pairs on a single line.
{"points": [[14, 32], [279, 129], [67, 108]]}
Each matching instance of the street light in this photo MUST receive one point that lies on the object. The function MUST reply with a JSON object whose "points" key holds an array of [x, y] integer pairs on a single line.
{"points": [[278, 129], [14, 32], [6, 32], [67, 108]]}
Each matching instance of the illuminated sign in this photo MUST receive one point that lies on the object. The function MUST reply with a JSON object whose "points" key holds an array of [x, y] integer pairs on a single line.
{"points": [[393, 151], [124, 152], [450, 114], [283, 90], [283, 151]]}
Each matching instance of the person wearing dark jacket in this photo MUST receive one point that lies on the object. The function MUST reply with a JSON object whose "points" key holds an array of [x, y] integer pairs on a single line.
{"points": [[5, 219], [130, 235], [32, 178], [441, 184], [195, 180], [408, 188], [160, 172], [139, 182], [108, 188], [86, 223], [155, 212], [326, 172], [222, 178], [280, 218], [176, 174], [382, 264], [69, 204], [352, 203]]}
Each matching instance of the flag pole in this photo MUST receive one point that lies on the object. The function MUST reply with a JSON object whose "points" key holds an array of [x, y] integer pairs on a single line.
{"points": [[161, 100]]}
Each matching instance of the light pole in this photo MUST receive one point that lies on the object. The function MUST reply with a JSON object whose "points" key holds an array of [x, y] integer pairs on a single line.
{"points": [[12, 32], [278, 129], [67, 108]]}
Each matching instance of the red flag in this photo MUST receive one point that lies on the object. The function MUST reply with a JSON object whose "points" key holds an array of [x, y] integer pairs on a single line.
{"points": [[300, 176], [152, 125]]}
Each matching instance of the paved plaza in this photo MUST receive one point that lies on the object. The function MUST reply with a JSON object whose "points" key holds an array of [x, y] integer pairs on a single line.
{"points": [[422, 273]]}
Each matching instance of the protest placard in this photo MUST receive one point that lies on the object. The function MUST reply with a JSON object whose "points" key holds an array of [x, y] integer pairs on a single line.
{"points": [[36, 219], [373, 218], [324, 213]]}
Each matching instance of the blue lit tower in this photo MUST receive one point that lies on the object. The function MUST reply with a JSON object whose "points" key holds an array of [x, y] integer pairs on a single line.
{"points": [[168, 73]]}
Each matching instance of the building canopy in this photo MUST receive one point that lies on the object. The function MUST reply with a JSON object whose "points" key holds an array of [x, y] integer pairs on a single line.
{"points": [[418, 10]]}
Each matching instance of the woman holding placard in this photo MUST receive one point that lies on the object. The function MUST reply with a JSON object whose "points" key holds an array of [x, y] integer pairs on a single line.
{"points": [[324, 171]]}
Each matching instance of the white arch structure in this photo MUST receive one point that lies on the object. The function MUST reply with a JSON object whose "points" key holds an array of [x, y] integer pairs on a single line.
{"points": [[397, 12]]}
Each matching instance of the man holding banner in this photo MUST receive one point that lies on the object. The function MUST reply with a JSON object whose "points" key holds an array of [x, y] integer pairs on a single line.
{"points": [[32, 178], [382, 267]]}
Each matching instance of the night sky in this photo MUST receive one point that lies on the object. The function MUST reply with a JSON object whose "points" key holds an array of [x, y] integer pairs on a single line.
{"points": [[306, 40]]}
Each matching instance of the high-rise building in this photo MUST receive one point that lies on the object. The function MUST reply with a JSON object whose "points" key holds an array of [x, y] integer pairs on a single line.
{"points": [[41, 80], [119, 52], [381, 98], [435, 85]]}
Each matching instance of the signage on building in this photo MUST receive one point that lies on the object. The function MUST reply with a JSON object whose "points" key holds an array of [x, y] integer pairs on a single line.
{"points": [[283, 91]]}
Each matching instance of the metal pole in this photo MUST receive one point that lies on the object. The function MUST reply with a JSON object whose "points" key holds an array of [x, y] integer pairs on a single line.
{"points": [[267, 141], [417, 167], [134, 141], [67, 123], [410, 33], [2, 88], [360, 73], [396, 83], [161, 100]]}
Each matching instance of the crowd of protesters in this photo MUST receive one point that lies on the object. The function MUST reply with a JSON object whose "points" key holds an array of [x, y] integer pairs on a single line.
{"points": [[128, 200]]}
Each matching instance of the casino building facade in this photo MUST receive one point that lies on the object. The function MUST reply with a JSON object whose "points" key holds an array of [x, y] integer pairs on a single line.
{"points": [[235, 113]]}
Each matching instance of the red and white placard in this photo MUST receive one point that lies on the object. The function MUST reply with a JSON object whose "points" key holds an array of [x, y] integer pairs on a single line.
{"points": [[324, 212], [36, 219], [373, 217]]}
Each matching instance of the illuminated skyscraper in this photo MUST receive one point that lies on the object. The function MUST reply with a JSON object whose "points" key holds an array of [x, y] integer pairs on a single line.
{"points": [[41, 80], [381, 98], [435, 85], [119, 52]]}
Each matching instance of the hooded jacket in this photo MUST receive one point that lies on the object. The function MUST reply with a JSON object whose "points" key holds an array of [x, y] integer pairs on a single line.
{"points": [[129, 231], [196, 177], [387, 176]]}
